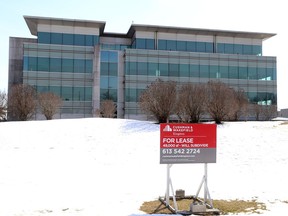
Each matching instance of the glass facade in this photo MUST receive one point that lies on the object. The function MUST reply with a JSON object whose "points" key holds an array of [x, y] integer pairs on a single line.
{"points": [[84, 68], [67, 39], [108, 75], [64, 70], [256, 75]]}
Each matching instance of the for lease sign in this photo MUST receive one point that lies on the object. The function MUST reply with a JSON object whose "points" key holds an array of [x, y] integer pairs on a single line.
{"points": [[187, 143]]}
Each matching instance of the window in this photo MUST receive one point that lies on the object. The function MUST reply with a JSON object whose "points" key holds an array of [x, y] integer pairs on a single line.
{"points": [[55, 64], [162, 45], [152, 69], [79, 40], [204, 71], [67, 65], [174, 70], [56, 38], [43, 64], [184, 70], [171, 45], [44, 37], [68, 39], [142, 68]]}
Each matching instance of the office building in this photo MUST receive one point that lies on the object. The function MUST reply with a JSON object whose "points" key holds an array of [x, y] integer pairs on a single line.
{"points": [[82, 63]]}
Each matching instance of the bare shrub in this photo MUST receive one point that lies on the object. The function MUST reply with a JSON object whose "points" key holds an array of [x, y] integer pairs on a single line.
{"points": [[238, 107], [191, 102], [159, 100], [219, 100], [49, 104], [108, 109], [3, 105], [22, 102]]}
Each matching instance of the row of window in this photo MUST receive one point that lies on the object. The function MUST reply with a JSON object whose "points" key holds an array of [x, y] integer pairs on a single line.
{"points": [[67, 39], [132, 95], [192, 46], [68, 93], [141, 43], [57, 64], [204, 71]]}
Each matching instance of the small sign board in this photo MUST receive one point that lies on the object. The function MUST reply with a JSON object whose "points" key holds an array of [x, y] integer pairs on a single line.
{"points": [[187, 143]]}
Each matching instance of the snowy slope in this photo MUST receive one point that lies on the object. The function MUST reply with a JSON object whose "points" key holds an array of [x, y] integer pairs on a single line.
{"points": [[104, 166]]}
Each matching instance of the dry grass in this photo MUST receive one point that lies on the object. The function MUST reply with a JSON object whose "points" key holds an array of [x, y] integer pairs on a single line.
{"points": [[224, 206]]}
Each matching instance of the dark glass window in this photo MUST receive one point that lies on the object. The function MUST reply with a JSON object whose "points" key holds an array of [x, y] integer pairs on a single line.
{"points": [[113, 69], [191, 46], [194, 70], [25, 63], [89, 40], [174, 70], [247, 49], [223, 71], [68, 39], [44, 37], [243, 72], [32, 64], [181, 45], [89, 66], [142, 68], [67, 65], [171, 45], [56, 38], [214, 71], [113, 56], [220, 48], [252, 73], [78, 93], [262, 74], [79, 40], [184, 70], [43, 64], [104, 56], [162, 45], [228, 48], [79, 66], [200, 46], [150, 44], [238, 49], [204, 71], [133, 68], [55, 65], [233, 72], [257, 50], [140, 43], [209, 47], [104, 68], [152, 69], [67, 93], [163, 67]]}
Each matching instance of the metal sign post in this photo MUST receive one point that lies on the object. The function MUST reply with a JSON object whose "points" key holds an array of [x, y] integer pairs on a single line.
{"points": [[206, 190], [169, 184]]}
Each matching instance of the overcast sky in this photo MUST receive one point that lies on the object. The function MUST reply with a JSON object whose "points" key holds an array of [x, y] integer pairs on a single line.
{"points": [[245, 15]]}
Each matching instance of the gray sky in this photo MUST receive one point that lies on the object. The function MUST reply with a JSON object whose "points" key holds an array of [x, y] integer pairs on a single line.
{"points": [[245, 15]]}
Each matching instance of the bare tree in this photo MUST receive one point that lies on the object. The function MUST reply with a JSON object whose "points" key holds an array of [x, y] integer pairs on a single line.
{"points": [[191, 102], [108, 109], [3, 105], [269, 112], [49, 104], [159, 99], [22, 102], [257, 111], [219, 100], [238, 106]]}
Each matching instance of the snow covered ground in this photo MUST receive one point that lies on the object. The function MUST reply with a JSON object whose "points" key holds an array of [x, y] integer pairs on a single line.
{"points": [[96, 166]]}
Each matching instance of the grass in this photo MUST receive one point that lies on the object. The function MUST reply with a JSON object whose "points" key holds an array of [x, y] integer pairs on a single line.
{"points": [[224, 206]]}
